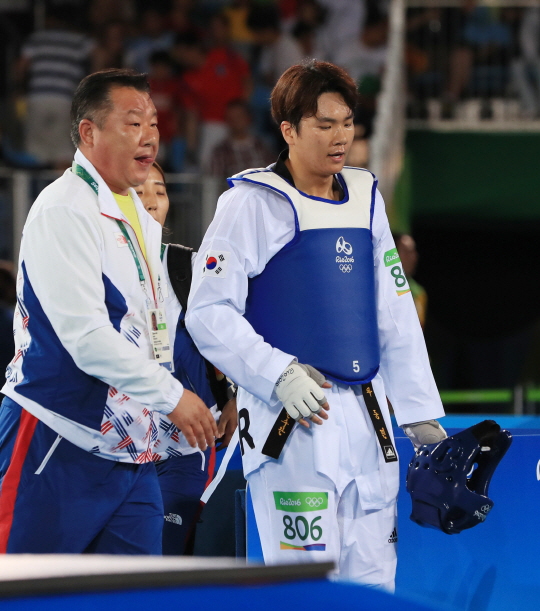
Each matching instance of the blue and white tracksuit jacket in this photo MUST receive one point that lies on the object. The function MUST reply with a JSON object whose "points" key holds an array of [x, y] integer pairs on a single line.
{"points": [[83, 363]]}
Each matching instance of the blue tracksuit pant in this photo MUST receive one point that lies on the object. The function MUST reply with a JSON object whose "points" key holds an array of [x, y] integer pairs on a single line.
{"points": [[182, 480], [57, 498]]}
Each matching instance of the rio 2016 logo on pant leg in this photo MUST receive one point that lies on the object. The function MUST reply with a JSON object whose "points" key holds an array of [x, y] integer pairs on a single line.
{"points": [[392, 260], [299, 526]]}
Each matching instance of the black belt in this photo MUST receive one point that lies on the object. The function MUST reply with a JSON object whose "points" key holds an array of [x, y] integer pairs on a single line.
{"points": [[284, 425]]}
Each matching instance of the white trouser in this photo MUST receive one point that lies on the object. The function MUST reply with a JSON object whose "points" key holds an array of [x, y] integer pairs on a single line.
{"points": [[302, 518]]}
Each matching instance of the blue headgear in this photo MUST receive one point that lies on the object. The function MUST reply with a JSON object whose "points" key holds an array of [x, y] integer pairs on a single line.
{"points": [[447, 491]]}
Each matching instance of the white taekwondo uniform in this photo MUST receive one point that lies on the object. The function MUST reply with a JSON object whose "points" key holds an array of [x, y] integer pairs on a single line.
{"points": [[330, 495]]}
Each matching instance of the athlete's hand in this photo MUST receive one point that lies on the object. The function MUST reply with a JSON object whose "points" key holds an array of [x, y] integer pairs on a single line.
{"points": [[195, 421], [299, 389], [420, 433], [227, 424]]}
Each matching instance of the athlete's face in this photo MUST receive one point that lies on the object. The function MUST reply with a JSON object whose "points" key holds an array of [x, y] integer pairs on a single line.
{"points": [[322, 141], [153, 194], [125, 146]]}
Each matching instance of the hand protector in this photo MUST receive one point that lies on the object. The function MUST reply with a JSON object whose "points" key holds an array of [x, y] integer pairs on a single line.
{"points": [[420, 433], [299, 389]]}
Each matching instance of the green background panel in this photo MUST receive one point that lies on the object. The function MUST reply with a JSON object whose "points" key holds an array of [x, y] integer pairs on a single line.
{"points": [[474, 175]]}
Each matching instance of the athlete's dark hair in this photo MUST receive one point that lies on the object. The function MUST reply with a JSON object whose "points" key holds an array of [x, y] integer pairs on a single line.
{"points": [[92, 99], [297, 92], [160, 170]]}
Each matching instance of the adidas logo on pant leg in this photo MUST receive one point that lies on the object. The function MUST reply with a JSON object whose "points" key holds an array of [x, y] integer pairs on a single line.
{"points": [[393, 536]]}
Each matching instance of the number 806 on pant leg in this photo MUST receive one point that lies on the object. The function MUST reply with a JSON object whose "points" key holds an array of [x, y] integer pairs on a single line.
{"points": [[302, 532]]}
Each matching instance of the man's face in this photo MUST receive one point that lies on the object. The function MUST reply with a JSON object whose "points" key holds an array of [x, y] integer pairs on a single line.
{"points": [[238, 120], [323, 140], [126, 146]]}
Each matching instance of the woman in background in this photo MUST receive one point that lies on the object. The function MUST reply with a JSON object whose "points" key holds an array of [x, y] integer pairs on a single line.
{"points": [[183, 471]]}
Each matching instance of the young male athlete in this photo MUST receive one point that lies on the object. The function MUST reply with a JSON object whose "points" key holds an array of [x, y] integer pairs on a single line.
{"points": [[298, 282]]}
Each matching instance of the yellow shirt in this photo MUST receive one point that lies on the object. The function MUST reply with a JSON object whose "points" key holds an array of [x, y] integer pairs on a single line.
{"points": [[127, 205]]}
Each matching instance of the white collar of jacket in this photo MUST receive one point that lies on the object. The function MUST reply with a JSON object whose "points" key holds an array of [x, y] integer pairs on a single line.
{"points": [[151, 229]]}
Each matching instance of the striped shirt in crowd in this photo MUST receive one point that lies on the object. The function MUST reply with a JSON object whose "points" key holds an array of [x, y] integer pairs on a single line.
{"points": [[59, 59]]}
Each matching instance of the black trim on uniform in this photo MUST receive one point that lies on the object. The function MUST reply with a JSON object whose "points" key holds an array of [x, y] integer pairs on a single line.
{"points": [[281, 169]]}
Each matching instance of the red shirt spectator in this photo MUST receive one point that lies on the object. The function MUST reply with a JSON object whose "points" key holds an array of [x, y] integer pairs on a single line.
{"points": [[221, 79], [170, 96]]}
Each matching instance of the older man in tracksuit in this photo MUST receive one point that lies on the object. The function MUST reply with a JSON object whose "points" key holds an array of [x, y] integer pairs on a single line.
{"points": [[77, 431], [298, 276]]}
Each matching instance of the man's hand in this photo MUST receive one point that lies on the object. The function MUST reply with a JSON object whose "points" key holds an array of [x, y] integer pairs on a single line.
{"points": [[420, 433], [299, 389], [195, 421], [227, 424]]}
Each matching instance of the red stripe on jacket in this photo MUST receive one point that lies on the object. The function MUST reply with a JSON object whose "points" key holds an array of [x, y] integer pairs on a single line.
{"points": [[10, 483]]}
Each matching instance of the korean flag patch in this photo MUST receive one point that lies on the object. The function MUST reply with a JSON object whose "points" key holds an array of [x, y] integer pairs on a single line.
{"points": [[215, 265]]}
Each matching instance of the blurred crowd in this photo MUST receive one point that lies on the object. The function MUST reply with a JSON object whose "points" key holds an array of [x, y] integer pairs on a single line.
{"points": [[473, 60], [211, 64]]}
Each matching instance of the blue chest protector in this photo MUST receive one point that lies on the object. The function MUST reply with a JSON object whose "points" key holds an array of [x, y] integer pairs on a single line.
{"points": [[315, 298]]}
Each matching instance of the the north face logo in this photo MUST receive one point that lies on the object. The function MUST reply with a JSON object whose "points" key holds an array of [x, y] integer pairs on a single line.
{"points": [[393, 536], [174, 518]]}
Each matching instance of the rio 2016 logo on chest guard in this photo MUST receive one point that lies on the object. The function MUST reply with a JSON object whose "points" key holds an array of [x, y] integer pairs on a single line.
{"points": [[299, 529], [392, 260], [345, 261]]}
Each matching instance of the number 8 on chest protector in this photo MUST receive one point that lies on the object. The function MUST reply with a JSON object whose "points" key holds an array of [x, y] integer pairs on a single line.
{"points": [[159, 336]]}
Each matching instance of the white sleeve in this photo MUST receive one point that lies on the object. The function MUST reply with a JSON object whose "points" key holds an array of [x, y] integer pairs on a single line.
{"points": [[251, 225], [405, 367], [62, 256]]}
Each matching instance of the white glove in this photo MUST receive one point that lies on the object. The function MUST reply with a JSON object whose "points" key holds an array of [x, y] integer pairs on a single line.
{"points": [[299, 389], [420, 433]]}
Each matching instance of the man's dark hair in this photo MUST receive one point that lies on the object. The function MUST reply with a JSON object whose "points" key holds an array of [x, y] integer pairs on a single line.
{"points": [[297, 92], [92, 99]]}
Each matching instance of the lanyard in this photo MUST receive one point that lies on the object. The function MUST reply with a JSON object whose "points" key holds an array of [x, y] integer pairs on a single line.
{"points": [[82, 173], [132, 249]]}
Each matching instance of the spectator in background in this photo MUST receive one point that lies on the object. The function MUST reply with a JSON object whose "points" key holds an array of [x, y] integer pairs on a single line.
{"points": [[240, 149], [170, 95], [153, 37], [109, 52], [406, 247], [214, 77], [342, 26], [477, 62], [526, 68], [179, 17], [102, 12], [8, 299], [366, 56], [241, 36], [52, 63], [280, 50]]}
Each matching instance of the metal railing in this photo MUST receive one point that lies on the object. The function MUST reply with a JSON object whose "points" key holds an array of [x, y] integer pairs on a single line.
{"points": [[473, 65], [522, 399], [192, 200]]}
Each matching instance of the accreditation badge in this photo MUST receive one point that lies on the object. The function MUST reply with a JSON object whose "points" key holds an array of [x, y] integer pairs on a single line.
{"points": [[159, 337]]}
